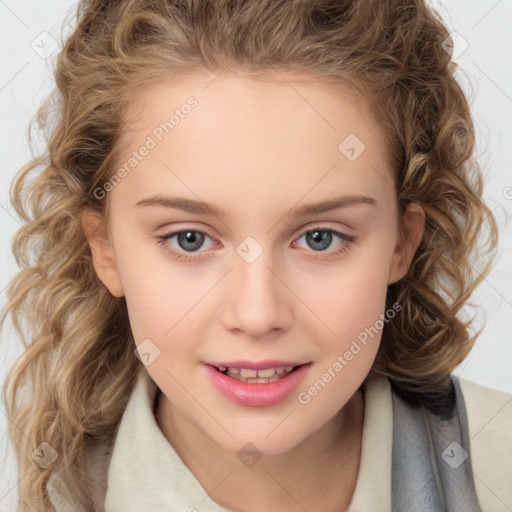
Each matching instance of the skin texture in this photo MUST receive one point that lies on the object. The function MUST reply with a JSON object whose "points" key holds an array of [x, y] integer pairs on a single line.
{"points": [[257, 149]]}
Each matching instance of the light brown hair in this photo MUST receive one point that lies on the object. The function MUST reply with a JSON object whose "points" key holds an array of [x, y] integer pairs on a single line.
{"points": [[79, 367]]}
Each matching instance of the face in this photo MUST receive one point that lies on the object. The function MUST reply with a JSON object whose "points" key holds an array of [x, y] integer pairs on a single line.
{"points": [[261, 280]]}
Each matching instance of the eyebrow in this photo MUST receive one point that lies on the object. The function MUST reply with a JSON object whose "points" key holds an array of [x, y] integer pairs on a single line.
{"points": [[202, 208]]}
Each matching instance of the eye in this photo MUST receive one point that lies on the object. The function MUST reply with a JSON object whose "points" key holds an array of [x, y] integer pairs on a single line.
{"points": [[187, 240], [319, 239]]}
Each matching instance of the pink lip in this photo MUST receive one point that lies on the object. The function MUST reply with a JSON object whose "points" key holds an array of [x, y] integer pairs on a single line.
{"points": [[257, 394], [256, 365]]}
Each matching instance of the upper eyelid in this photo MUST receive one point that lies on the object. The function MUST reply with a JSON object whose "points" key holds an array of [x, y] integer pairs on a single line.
{"points": [[301, 231], [346, 237]]}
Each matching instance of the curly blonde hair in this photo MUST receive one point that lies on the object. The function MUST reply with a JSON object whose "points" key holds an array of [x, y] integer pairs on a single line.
{"points": [[78, 366]]}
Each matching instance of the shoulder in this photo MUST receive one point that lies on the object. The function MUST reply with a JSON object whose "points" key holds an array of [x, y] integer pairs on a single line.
{"points": [[489, 414]]}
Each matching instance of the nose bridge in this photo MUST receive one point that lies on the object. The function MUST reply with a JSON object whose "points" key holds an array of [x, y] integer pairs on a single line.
{"points": [[257, 299]]}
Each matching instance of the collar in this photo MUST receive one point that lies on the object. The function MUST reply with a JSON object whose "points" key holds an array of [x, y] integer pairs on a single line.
{"points": [[146, 473]]}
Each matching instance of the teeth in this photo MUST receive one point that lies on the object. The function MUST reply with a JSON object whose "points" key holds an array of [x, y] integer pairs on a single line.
{"points": [[222, 368], [245, 372], [250, 375], [266, 373], [274, 378]]}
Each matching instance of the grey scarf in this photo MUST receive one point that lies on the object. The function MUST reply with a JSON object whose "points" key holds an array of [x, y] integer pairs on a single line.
{"points": [[431, 462]]}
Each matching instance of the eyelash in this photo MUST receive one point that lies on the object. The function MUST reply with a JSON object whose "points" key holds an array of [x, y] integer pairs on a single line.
{"points": [[184, 256]]}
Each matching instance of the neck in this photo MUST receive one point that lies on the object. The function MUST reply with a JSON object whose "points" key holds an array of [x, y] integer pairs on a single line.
{"points": [[320, 471]]}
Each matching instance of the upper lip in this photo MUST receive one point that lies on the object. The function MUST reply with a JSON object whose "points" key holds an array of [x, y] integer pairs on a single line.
{"points": [[256, 365]]}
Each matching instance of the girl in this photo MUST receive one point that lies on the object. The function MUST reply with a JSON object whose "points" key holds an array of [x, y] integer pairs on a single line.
{"points": [[297, 355]]}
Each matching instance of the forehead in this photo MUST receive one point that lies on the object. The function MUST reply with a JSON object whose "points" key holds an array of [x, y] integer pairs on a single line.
{"points": [[278, 97], [278, 134]]}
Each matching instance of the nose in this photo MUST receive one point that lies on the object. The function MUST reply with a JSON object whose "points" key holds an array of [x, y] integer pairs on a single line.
{"points": [[258, 302]]}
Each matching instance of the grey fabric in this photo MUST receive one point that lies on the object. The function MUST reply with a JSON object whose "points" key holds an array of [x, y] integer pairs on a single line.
{"points": [[431, 469]]}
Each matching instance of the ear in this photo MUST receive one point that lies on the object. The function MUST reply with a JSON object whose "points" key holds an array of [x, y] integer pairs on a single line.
{"points": [[409, 240], [102, 255]]}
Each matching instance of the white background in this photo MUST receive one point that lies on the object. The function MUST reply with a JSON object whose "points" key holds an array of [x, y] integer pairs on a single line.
{"points": [[486, 64]]}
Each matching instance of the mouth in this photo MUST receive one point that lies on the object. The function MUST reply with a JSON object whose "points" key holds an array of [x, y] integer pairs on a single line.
{"points": [[257, 376], [257, 384]]}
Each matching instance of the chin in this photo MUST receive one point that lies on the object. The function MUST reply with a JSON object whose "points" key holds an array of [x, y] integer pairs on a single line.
{"points": [[261, 445], [266, 438]]}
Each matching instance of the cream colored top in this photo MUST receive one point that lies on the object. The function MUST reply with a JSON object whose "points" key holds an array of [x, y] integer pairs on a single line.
{"points": [[147, 474]]}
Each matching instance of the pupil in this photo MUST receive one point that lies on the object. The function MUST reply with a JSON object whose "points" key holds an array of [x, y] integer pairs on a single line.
{"points": [[315, 237], [192, 237]]}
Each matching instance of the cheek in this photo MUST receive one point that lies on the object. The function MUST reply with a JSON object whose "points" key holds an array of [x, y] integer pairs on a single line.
{"points": [[350, 300], [156, 295], [163, 309]]}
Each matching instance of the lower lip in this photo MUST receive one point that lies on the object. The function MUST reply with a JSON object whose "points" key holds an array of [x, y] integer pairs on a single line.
{"points": [[257, 394]]}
